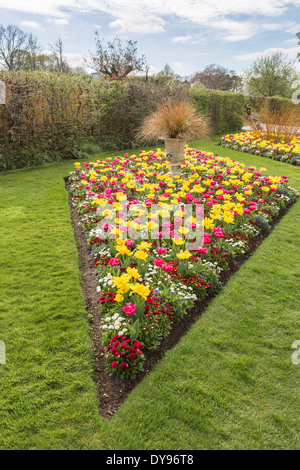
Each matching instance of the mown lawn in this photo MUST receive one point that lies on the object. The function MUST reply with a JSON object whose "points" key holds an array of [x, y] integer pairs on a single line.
{"points": [[229, 384]]}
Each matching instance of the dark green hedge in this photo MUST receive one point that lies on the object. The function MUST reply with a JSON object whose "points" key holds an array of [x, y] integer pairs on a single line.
{"points": [[224, 109]]}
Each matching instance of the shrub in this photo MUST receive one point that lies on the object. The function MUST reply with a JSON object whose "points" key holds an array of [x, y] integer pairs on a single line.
{"points": [[281, 119]]}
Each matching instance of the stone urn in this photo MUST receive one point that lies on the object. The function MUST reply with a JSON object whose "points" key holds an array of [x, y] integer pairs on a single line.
{"points": [[174, 154]]}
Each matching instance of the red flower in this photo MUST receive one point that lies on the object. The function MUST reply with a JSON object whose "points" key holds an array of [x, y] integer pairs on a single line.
{"points": [[132, 356], [114, 364], [123, 365]]}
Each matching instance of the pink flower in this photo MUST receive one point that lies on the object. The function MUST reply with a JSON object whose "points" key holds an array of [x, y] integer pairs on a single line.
{"points": [[129, 242], [114, 364], [206, 238], [158, 262], [158, 234], [202, 250], [114, 262], [218, 232], [160, 250], [189, 197], [129, 309], [167, 267]]}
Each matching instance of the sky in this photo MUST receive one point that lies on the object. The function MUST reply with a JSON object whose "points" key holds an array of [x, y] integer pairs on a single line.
{"points": [[186, 34]]}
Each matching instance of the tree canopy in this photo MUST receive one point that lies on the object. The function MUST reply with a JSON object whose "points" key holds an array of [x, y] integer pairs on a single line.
{"points": [[116, 60], [167, 70], [216, 77], [271, 75]]}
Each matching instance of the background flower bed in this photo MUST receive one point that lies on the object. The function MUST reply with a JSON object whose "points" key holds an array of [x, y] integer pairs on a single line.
{"points": [[145, 284], [287, 152]]}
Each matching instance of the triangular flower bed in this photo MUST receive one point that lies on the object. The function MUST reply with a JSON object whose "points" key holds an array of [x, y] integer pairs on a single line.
{"points": [[143, 287]]}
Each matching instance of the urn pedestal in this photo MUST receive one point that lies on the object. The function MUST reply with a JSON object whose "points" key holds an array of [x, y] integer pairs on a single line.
{"points": [[174, 154]]}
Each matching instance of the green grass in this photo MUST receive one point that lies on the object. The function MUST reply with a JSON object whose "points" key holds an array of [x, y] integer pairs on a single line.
{"points": [[230, 382]]}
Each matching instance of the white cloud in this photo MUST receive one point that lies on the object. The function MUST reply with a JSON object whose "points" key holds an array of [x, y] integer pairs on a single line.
{"points": [[189, 9], [292, 28], [176, 64], [31, 24], [74, 59], [240, 31], [58, 21], [182, 39], [290, 52], [291, 41], [235, 19], [148, 24], [45, 7]]}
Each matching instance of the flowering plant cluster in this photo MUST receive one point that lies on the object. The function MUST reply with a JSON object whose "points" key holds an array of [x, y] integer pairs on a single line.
{"points": [[124, 356], [287, 152], [148, 275]]}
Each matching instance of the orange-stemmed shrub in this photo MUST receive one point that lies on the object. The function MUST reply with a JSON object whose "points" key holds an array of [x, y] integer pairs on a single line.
{"points": [[279, 124]]}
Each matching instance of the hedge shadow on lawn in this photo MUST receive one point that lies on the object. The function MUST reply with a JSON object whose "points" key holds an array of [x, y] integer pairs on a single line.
{"points": [[113, 391]]}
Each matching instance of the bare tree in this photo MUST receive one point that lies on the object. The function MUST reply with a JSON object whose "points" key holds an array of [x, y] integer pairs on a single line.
{"points": [[116, 60], [13, 42], [33, 50], [60, 64]]}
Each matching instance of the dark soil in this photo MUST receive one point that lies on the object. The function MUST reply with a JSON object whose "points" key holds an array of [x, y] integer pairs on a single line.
{"points": [[112, 391]]}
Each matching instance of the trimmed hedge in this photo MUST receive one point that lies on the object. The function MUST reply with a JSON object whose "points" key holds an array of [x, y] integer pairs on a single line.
{"points": [[224, 109], [49, 116]]}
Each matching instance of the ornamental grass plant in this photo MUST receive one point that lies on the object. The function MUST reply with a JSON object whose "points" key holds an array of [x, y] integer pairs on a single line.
{"points": [[174, 119]]}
